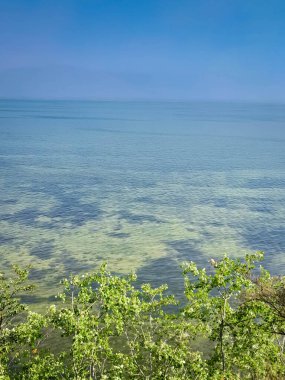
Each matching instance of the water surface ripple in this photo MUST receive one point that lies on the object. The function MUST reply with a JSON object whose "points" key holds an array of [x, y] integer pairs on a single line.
{"points": [[141, 185]]}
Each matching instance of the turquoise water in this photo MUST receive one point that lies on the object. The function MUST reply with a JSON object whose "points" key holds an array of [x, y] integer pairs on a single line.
{"points": [[141, 185]]}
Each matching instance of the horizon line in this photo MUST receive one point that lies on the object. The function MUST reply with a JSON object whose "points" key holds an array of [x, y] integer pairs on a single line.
{"points": [[147, 100]]}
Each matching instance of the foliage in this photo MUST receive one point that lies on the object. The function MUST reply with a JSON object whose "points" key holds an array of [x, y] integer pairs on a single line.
{"points": [[242, 347], [10, 309], [106, 327]]}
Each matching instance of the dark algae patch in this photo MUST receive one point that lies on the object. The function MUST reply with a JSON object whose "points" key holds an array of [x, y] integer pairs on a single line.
{"points": [[44, 250], [138, 218]]}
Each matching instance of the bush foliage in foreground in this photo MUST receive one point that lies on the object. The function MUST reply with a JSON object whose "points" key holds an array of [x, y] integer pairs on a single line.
{"points": [[105, 327]]}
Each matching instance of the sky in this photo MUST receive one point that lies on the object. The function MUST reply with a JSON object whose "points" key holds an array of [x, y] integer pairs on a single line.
{"points": [[231, 50]]}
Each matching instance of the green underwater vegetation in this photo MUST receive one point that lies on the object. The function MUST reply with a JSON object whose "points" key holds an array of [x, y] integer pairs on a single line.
{"points": [[142, 186]]}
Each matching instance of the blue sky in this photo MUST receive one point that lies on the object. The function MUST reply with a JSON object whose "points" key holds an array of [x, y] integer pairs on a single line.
{"points": [[143, 49]]}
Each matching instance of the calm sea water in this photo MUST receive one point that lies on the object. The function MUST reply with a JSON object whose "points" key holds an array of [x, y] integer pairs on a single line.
{"points": [[143, 186]]}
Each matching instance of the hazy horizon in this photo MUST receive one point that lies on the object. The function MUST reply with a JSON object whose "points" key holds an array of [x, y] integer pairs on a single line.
{"points": [[145, 100], [151, 50]]}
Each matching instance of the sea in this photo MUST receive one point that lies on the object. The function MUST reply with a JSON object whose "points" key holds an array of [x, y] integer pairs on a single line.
{"points": [[142, 186]]}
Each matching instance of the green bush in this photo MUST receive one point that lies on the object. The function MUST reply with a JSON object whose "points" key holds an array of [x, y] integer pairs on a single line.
{"points": [[230, 326]]}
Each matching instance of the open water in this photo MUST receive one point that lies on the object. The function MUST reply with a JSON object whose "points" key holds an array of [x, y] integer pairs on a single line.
{"points": [[143, 186]]}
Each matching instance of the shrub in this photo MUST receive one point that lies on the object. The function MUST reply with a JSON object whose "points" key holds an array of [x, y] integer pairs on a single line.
{"points": [[108, 328]]}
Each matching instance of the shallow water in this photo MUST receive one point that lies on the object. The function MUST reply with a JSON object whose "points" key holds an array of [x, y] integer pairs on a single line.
{"points": [[143, 186]]}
